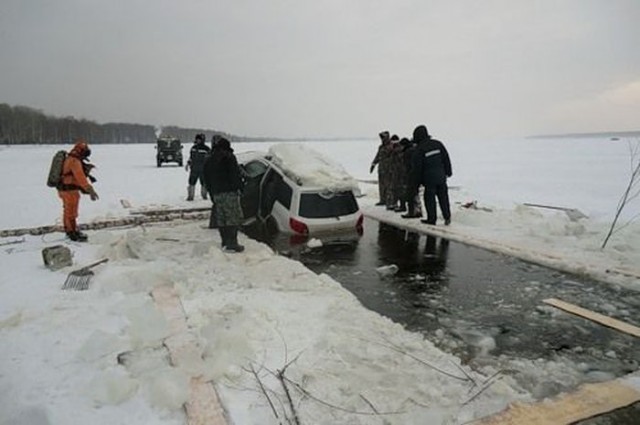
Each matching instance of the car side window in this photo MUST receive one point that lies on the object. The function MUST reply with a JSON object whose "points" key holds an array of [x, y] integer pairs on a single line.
{"points": [[254, 169], [284, 194]]}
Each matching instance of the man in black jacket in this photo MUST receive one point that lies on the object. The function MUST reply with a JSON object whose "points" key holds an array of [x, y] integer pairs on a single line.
{"points": [[224, 181], [431, 168], [195, 164]]}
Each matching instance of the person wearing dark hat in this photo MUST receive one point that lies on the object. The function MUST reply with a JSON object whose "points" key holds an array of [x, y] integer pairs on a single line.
{"points": [[431, 167], [395, 194], [408, 189], [214, 140], [382, 160], [197, 156], [224, 181]]}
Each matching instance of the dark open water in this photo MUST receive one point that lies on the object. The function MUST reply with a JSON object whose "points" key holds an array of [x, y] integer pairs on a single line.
{"points": [[484, 307]]}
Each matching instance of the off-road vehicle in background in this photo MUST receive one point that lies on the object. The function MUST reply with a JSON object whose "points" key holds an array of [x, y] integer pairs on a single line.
{"points": [[169, 149]]}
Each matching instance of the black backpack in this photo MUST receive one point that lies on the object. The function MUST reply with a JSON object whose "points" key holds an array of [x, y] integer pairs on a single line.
{"points": [[55, 171]]}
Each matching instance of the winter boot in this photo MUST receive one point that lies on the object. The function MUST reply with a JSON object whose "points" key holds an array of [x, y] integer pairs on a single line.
{"points": [[224, 236], [191, 190], [203, 192], [233, 245], [77, 236]]}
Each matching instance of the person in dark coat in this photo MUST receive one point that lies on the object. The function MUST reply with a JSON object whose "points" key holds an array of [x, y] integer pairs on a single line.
{"points": [[431, 168], [224, 181], [382, 160], [393, 200], [410, 190], [195, 164]]}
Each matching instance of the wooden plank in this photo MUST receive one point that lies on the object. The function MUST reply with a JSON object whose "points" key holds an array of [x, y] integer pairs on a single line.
{"points": [[170, 305], [596, 317], [203, 406], [97, 225], [588, 401], [167, 211]]}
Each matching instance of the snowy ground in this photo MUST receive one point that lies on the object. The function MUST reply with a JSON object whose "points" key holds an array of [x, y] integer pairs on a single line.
{"points": [[61, 348]]}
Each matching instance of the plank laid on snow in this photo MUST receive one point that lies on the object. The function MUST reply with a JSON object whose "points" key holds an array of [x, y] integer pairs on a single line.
{"points": [[203, 406], [170, 305], [97, 225], [596, 317], [588, 401], [171, 211]]}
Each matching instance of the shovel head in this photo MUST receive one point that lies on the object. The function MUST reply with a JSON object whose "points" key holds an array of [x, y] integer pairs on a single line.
{"points": [[79, 279], [575, 214]]}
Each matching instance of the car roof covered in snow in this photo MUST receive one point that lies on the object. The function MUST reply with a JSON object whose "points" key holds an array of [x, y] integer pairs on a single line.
{"points": [[310, 168], [307, 167], [244, 157]]}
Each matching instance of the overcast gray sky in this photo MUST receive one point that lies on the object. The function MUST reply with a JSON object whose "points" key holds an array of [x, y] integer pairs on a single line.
{"points": [[302, 68]]}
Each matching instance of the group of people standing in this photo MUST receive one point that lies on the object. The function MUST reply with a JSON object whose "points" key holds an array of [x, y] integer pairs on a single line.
{"points": [[216, 168], [218, 172], [403, 166], [406, 164]]}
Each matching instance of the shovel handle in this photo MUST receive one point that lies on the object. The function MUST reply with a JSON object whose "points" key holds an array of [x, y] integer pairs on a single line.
{"points": [[104, 260], [547, 206]]}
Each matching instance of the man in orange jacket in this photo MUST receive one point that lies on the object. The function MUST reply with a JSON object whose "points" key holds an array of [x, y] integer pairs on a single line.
{"points": [[74, 181]]}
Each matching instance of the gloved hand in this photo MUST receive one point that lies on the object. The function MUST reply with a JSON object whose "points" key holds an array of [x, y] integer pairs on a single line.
{"points": [[186, 167], [92, 193], [371, 168]]}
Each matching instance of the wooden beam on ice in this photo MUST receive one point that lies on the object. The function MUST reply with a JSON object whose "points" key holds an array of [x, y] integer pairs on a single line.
{"points": [[596, 317], [588, 401]]}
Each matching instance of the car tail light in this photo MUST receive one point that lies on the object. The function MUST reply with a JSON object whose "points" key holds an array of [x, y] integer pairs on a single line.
{"points": [[298, 226], [359, 224]]}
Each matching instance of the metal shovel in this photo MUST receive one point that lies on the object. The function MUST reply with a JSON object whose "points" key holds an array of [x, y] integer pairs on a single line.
{"points": [[574, 214], [79, 279]]}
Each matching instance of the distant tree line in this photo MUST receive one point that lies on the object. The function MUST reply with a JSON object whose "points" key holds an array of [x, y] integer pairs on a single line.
{"points": [[21, 125]]}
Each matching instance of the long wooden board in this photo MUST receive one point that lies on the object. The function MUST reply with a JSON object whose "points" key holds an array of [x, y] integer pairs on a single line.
{"points": [[203, 406], [596, 317], [97, 225], [171, 211], [588, 401]]}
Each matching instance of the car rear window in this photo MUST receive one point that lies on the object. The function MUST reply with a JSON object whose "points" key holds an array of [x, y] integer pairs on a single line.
{"points": [[316, 205]]}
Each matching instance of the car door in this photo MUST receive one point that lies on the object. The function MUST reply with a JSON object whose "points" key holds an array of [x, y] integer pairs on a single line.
{"points": [[268, 193], [253, 173]]}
